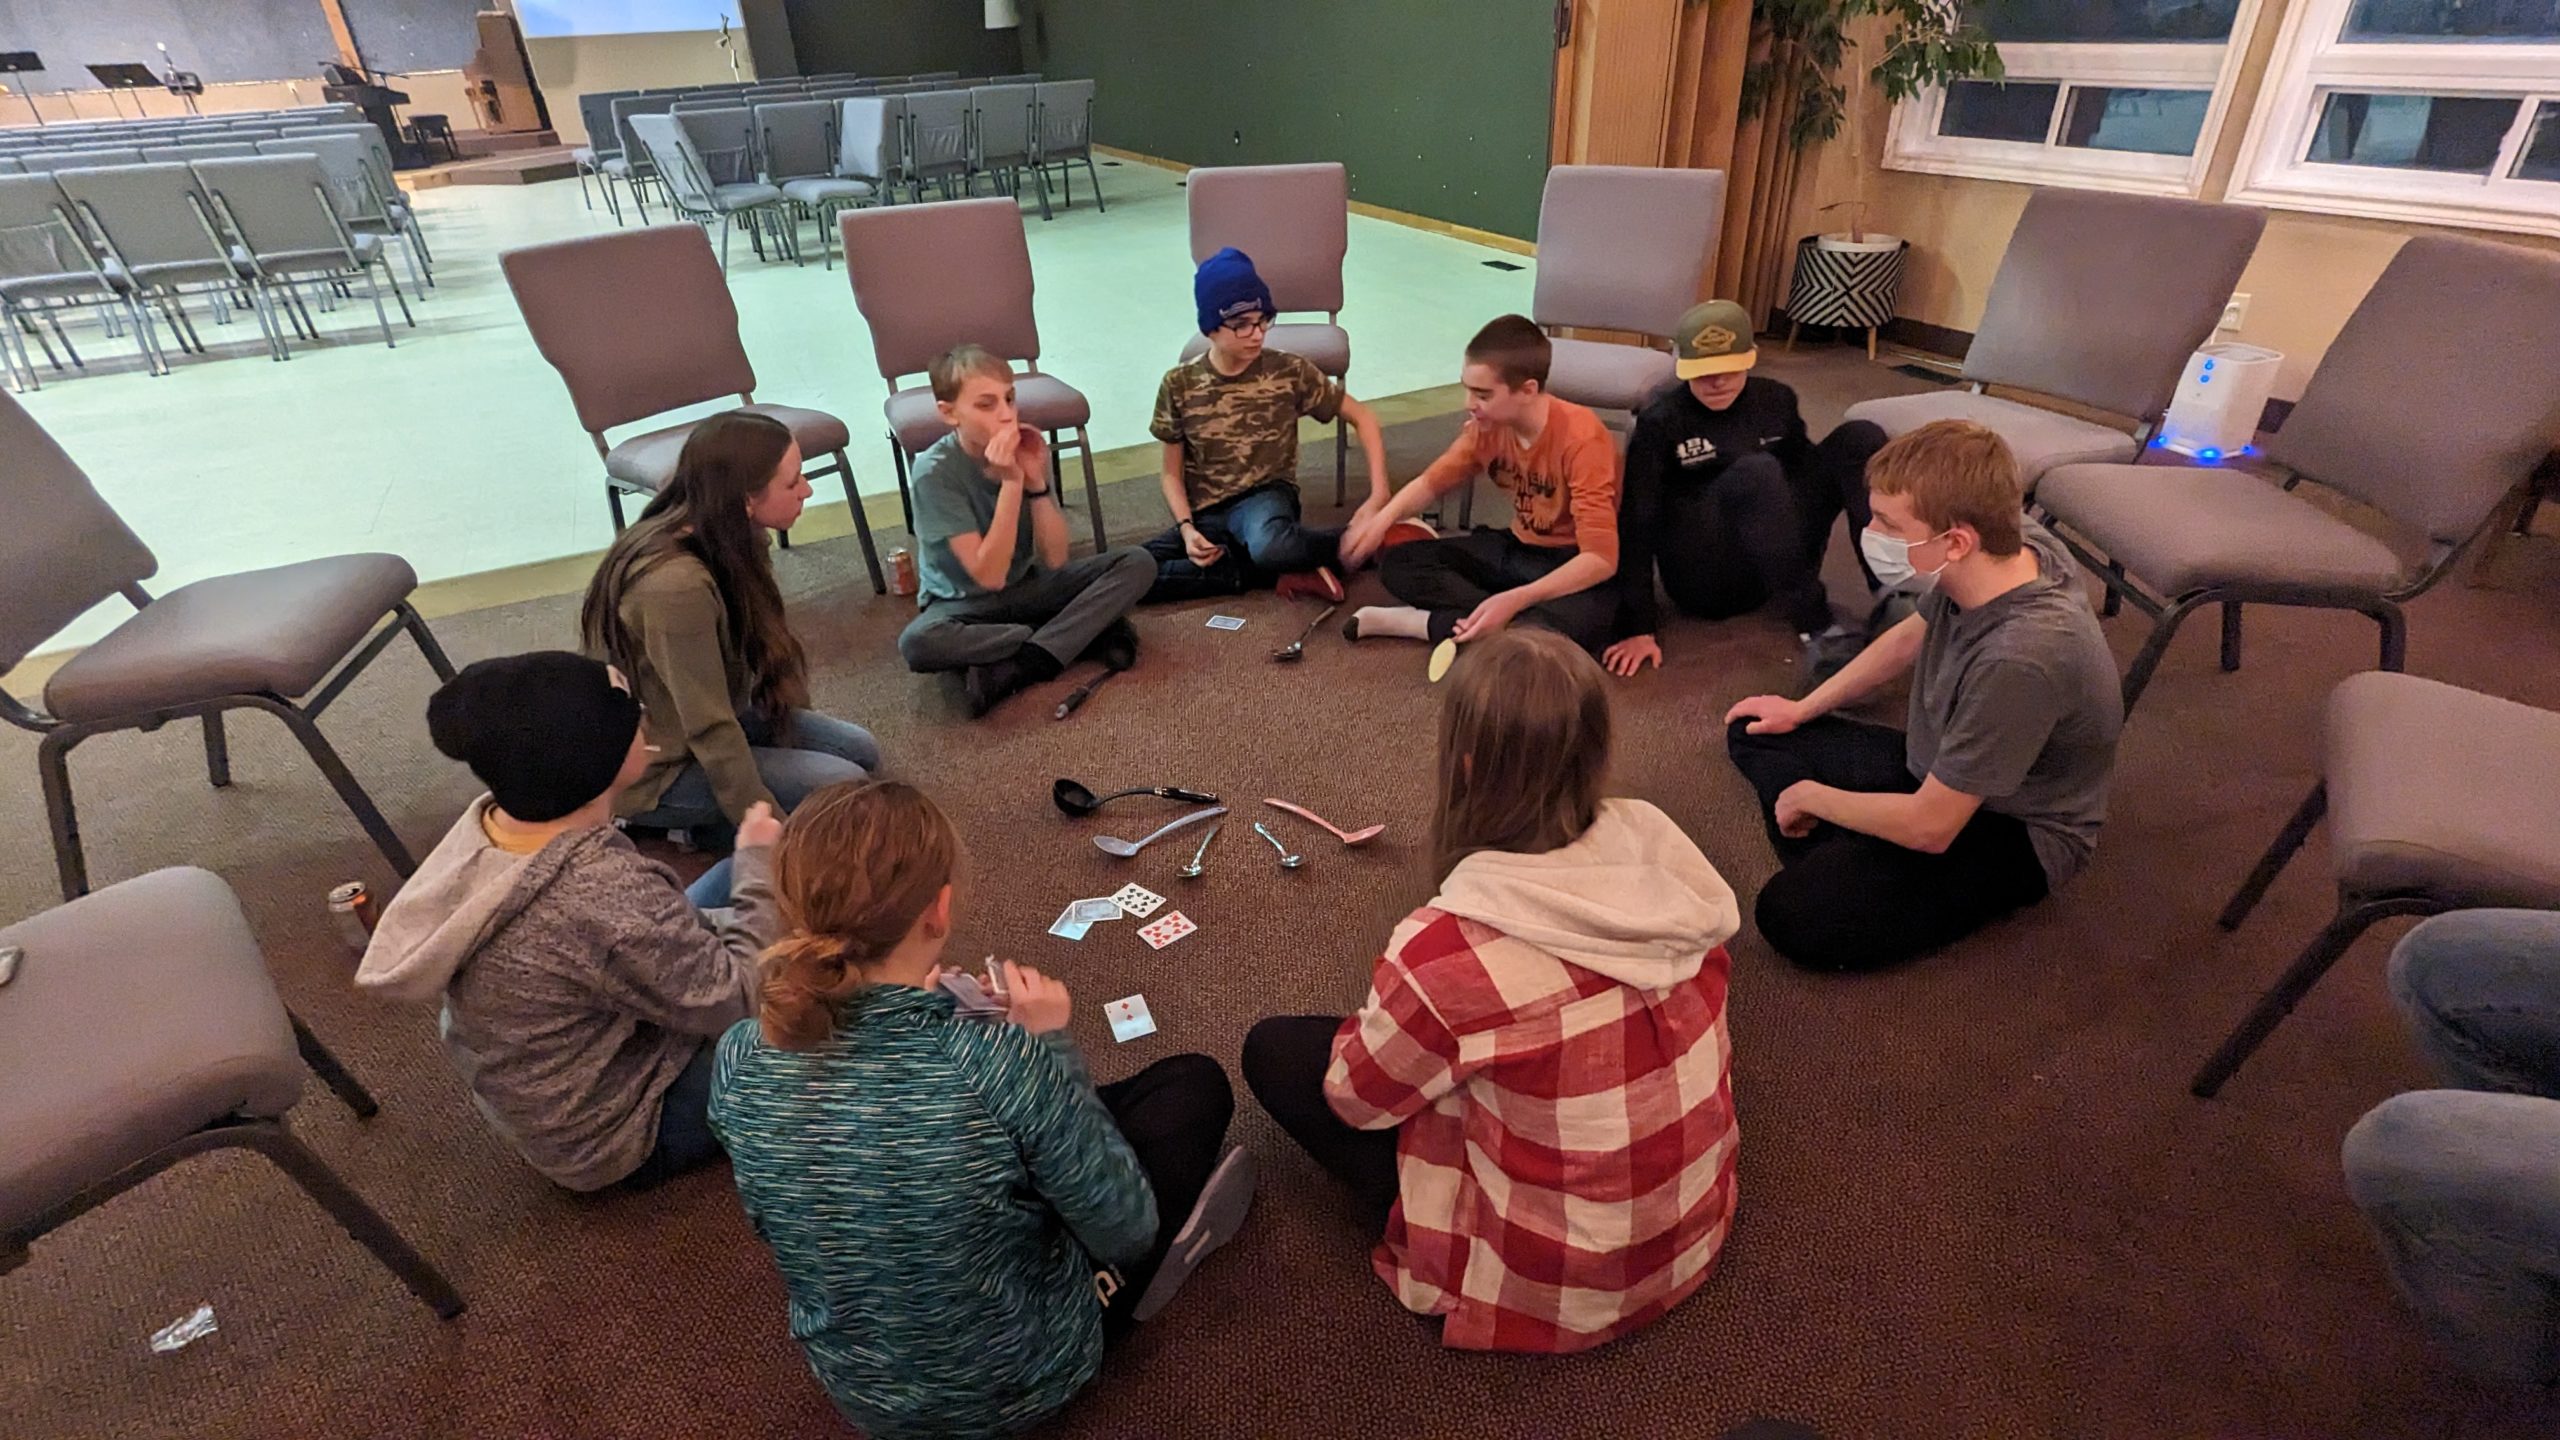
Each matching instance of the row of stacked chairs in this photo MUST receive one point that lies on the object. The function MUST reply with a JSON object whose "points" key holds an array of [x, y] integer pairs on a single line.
{"points": [[171, 129]]}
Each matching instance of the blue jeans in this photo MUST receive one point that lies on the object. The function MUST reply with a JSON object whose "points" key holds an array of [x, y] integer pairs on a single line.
{"points": [[823, 750], [684, 1125], [1264, 541], [2463, 1185]]}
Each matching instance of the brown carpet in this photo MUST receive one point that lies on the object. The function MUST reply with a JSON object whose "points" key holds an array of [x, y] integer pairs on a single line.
{"points": [[1977, 1199]]}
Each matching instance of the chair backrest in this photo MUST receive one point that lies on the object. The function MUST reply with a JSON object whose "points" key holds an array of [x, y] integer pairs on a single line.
{"points": [[249, 132], [9, 166], [595, 110], [691, 103], [275, 203], [376, 149], [673, 159], [1625, 247], [1066, 118], [937, 132], [2101, 297], [1030, 78], [868, 132], [911, 87], [623, 111], [725, 139], [63, 549], [902, 260], [623, 361], [152, 214], [343, 161], [1000, 123], [36, 237], [78, 159], [798, 138], [184, 154], [935, 75], [2440, 395], [1294, 220]]}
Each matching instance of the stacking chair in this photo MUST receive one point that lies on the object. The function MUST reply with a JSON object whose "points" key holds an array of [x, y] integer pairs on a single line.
{"points": [[286, 640], [280, 209], [1621, 247], [1295, 221], [798, 138], [935, 148], [47, 160], [2437, 799], [2099, 301], [902, 260], [143, 1029], [159, 235], [1066, 137], [2436, 401], [682, 169], [870, 136], [724, 135], [198, 150], [638, 170], [616, 358], [45, 267], [391, 218], [356, 189], [601, 156], [1002, 139]]}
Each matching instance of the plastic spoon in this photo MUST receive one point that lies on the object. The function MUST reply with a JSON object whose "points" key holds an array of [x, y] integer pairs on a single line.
{"points": [[1114, 845], [1196, 869], [1077, 800], [1354, 837], [1298, 647]]}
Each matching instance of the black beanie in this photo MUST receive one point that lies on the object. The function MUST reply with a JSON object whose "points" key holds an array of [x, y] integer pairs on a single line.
{"points": [[546, 732]]}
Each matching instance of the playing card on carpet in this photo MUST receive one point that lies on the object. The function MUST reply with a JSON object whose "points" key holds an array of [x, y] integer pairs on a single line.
{"points": [[1226, 622], [1130, 1018], [1138, 900], [1167, 930], [1067, 926], [1103, 908]]}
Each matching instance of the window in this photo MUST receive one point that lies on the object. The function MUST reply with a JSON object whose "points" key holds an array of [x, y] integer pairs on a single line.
{"points": [[2442, 111], [2118, 94]]}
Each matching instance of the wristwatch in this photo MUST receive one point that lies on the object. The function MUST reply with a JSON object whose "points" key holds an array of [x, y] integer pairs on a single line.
{"points": [[1185, 524]]}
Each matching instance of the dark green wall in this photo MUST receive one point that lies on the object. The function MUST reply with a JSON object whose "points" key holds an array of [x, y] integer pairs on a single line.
{"points": [[1439, 107], [900, 37]]}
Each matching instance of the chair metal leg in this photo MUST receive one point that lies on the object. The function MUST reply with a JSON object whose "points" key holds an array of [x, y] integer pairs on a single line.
{"points": [[585, 199], [2114, 603], [342, 780], [2163, 631], [1341, 462], [1092, 489], [2395, 634], [1040, 183], [2281, 853], [2352, 920], [416, 625], [613, 498], [724, 244], [906, 501], [53, 771], [217, 751], [382, 317], [2230, 636], [325, 1064], [1096, 177], [861, 524], [355, 1216]]}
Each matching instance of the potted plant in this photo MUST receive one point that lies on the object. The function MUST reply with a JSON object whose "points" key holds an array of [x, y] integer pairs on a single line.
{"points": [[1802, 61]]}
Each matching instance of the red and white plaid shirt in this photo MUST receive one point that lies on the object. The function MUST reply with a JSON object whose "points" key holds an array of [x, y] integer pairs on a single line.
{"points": [[1566, 1158]]}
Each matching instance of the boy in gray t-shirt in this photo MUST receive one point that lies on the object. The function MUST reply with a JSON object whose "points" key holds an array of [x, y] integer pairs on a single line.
{"points": [[1894, 843]]}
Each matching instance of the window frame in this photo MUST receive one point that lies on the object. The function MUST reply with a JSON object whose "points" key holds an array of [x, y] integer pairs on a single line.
{"points": [[2310, 62], [1912, 141]]}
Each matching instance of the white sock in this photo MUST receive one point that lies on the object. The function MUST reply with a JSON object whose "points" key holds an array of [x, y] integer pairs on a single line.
{"points": [[1394, 622]]}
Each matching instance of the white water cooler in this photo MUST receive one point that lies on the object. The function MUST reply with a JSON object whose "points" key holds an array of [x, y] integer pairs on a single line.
{"points": [[2220, 399]]}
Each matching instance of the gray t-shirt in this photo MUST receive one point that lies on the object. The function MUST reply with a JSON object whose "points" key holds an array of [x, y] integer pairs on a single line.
{"points": [[953, 496], [2018, 702]]}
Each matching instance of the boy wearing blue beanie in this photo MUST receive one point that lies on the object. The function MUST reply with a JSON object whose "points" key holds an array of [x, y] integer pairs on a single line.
{"points": [[1229, 423]]}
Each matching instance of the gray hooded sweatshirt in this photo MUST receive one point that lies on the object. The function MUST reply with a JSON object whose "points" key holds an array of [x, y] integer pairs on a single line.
{"points": [[576, 983]]}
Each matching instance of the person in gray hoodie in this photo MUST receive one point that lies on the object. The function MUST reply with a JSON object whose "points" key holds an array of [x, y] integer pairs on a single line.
{"points": [[579, 984]]}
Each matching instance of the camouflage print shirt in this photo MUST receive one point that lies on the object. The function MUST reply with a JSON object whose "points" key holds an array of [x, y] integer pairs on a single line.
{"points": [[1240, 431]]}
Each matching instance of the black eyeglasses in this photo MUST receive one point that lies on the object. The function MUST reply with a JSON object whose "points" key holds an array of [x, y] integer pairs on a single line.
{"points": [[1247, 325]]}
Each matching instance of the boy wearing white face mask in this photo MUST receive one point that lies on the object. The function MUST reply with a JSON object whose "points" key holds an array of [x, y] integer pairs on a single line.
{"points": [[1895, 843]]}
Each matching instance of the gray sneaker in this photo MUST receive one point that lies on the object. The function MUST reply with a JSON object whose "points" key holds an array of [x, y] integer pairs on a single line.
{"points": [[1213, 1222], [1826, 654]]}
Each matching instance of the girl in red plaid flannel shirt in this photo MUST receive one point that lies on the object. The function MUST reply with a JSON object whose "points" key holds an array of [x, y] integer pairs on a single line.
{"points": [[1537, 1092]]}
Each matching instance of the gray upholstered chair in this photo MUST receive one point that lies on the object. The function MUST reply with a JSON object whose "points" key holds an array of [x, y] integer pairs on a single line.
{"points": [[934, 149], [637, 168], [901, 260], [92, 158], [159, 233], [286, 640], [1003, 138], [601, 157], [191, 151], [798, 138], [1621, 247], [1295, 221], [2435, 403], [723, 132], [356, 188], [45, 267], [2099, 301], [870, 131], [615, 358], [1066, 139], [688, 180], [2437, 799], [142, 1029], [282, 211]]}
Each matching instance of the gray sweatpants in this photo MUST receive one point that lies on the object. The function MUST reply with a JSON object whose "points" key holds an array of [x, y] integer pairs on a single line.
{"points": [[1060, 610]]}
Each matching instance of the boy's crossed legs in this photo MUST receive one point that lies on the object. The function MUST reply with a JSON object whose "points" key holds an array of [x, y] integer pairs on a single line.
{"points": [[1057, 612], [1264, 539]]}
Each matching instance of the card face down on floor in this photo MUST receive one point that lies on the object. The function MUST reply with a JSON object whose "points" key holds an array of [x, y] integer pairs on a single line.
{"points": [[1067, 926], [1103, 908], [1130, 1018], [1167, 930], [1226, 622], [1138, 900]]}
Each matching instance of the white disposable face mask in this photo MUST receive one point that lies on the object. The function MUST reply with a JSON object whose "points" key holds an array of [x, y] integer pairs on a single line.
{"points": [[1890, 558]]}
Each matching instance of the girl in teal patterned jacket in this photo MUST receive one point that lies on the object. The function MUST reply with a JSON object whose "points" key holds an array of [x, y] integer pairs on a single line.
{"points": [[960, 1217]]}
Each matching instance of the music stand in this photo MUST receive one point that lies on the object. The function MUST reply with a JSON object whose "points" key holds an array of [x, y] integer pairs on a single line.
{"points": [[24, 62], [125, 77]]}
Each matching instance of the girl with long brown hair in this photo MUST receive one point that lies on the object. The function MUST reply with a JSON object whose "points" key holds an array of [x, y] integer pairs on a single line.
{"points": [[685, 604], [1538, 1084], [959, 1215]]}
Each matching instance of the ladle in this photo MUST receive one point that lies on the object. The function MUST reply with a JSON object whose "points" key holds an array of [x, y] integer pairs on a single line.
{"points": [[1077, 800]]}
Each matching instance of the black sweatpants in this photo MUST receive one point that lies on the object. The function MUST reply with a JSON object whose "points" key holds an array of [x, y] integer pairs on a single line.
{"points": [[1285, 1058], [1757, 531], [1450, 578], [1174, 1115], [1850, 901]]}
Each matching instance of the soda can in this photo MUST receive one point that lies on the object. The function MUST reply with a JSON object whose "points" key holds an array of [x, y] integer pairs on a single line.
{"points": [[902, 571], [351, 906]]}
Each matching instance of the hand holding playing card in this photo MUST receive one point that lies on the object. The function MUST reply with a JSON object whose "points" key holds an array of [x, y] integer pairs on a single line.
{"points": [[1039, 1004]]}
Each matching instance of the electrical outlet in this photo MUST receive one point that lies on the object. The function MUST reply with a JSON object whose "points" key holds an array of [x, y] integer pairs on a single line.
{"points": [[2234, 313]]}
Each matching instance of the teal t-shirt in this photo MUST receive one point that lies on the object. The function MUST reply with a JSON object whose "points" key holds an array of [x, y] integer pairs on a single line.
{"points": [[953, 496]]}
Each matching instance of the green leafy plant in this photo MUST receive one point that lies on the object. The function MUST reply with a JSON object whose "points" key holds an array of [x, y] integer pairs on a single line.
{"points": [[1804, 48]]}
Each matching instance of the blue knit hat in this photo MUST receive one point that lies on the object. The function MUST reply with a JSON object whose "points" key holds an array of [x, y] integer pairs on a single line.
{"points": [[1227, 287]]}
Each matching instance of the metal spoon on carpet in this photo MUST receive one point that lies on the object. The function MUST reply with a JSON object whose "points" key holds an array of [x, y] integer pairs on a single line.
{"points": [[1195, 869], [1287, 860], [1348, 838], [1077, 800], [1114, 845], [1297, 649]]}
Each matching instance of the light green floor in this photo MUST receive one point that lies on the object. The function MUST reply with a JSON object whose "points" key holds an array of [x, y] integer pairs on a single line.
{"points": [[459, 450]]}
